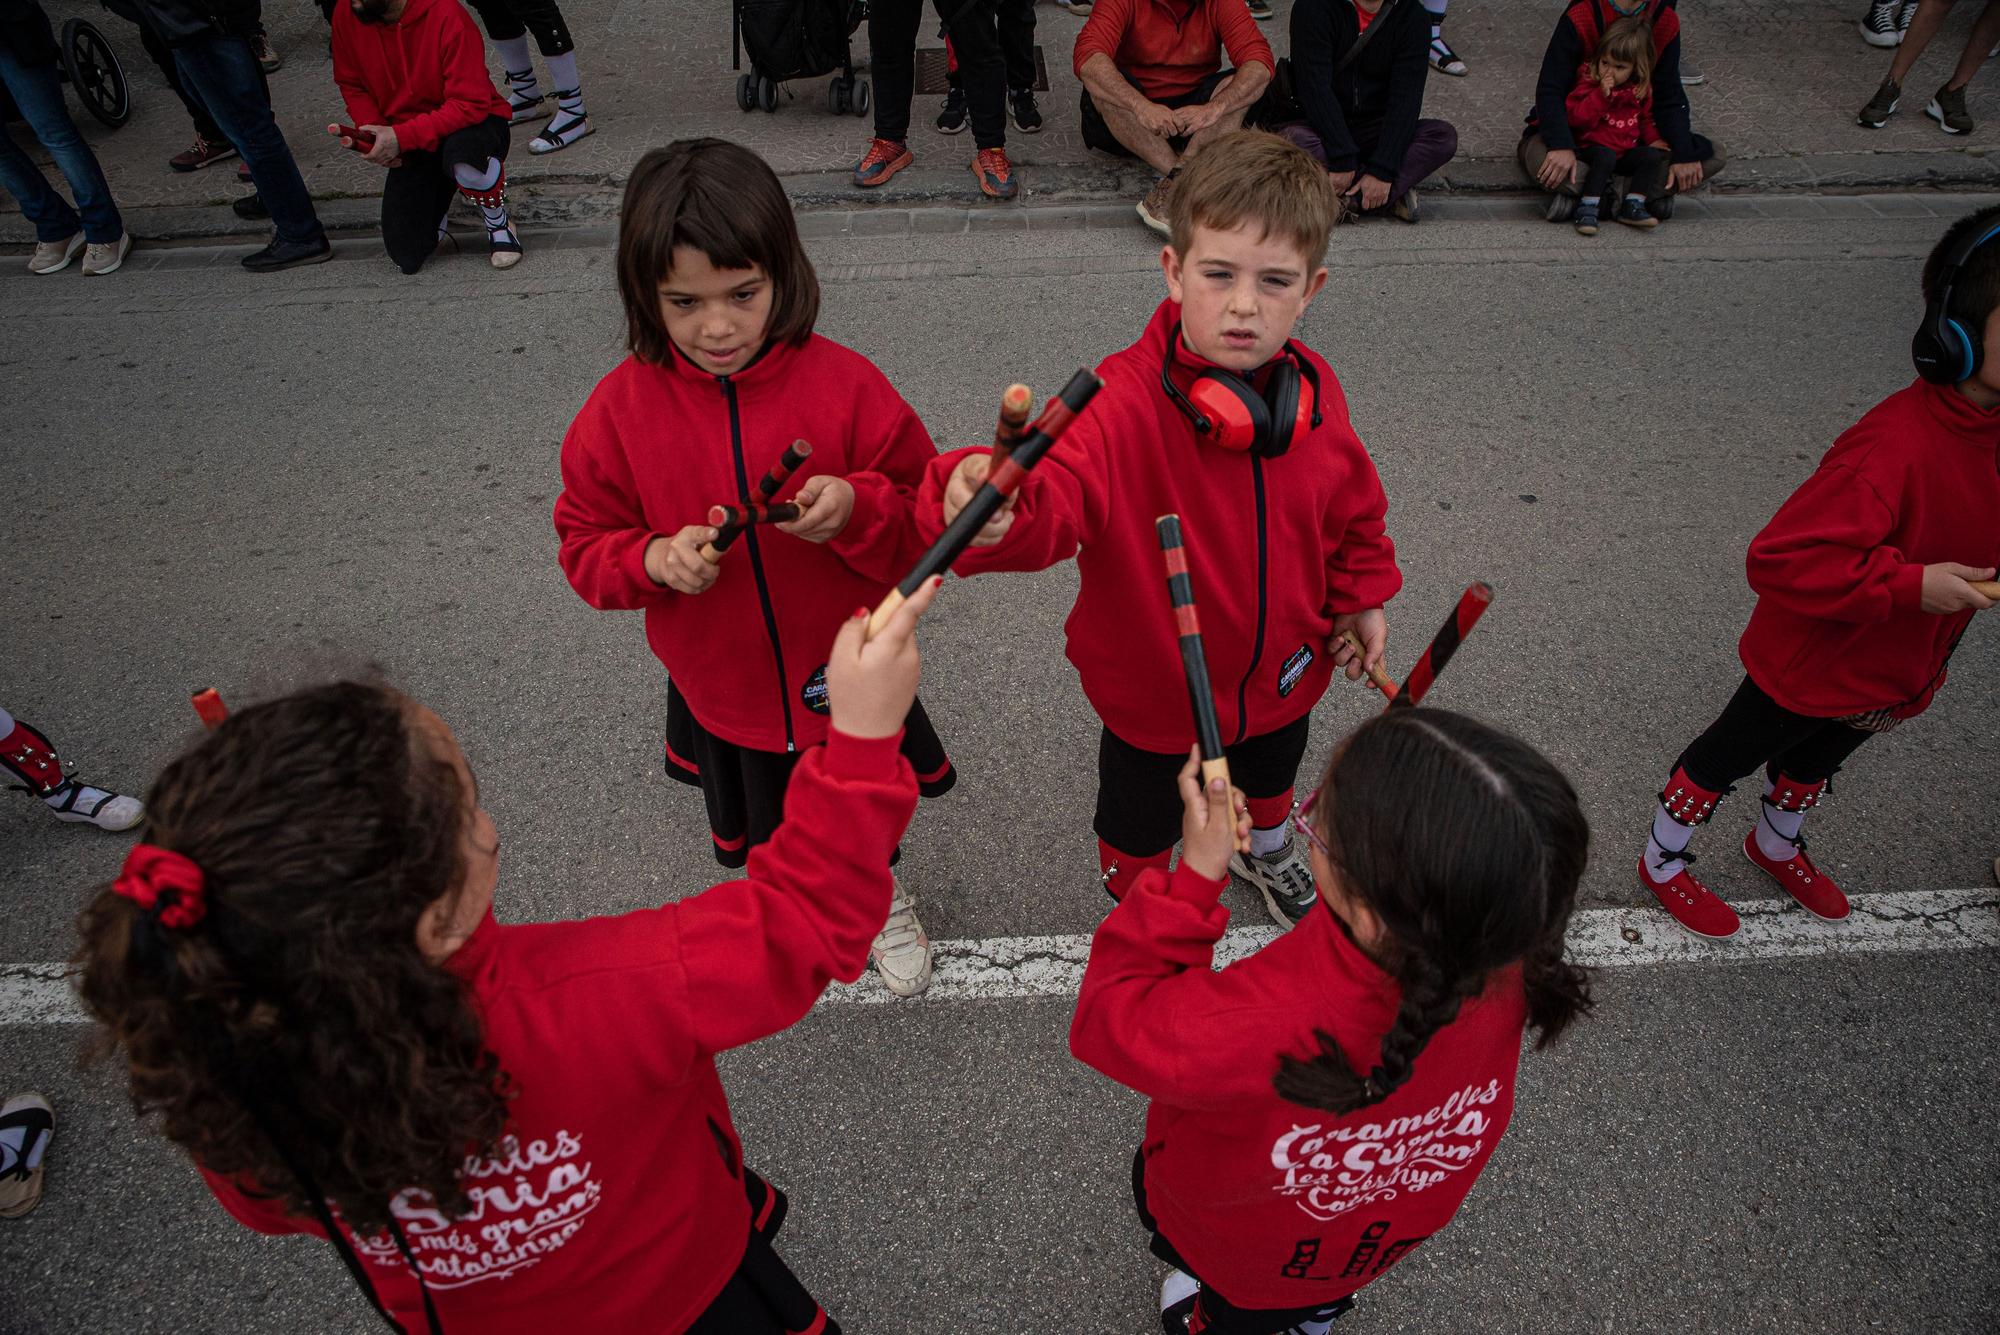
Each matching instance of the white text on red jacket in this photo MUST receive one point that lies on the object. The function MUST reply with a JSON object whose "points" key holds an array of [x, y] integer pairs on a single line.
{"points": [[1331, 1170]]}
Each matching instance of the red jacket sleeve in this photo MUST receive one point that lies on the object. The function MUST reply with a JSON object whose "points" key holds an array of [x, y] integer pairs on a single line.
{"points": [[1103, 32], [891, 454], [1824, 554], [1361, 570], [1060, 506], [758, 952], [468, 89], [1240, 37], [1586, 104], [362, 109], [603, 534]]}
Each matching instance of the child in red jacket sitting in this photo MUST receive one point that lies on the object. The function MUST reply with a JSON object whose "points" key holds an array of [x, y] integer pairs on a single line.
{"points": [[413, 75], [506, 1129], [1218, 415], [1864, 588], [725, 374], [1324, 1106], [1611, 115]]}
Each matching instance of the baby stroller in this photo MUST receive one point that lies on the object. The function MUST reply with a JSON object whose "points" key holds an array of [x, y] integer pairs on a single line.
{"points": [[91, 67], [797, 39]]}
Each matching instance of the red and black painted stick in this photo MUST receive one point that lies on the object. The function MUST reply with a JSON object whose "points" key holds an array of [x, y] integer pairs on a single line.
{"points": [[1013, 423], [1194, 659], [742, 516], [208, 705], [767, 489], [1001, 483], [1472, 605]]}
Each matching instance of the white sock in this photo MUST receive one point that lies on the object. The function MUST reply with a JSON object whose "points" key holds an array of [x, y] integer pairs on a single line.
{"points": [[1263, 843], [1639, 197], [569, 85], [1664, 846], [1777, 829], [520, 65]]}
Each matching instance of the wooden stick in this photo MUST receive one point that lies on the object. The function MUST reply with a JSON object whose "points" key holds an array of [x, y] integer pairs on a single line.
{"points": [[1383, 681], [1194, 659], [767, 488], [1472, 605], [209, 707], [1013, 423], [1989, 588], [742, 516], [1001, 483]]}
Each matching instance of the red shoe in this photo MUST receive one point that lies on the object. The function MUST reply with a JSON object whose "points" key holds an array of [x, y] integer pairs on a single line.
{"points": [[883, 160], [995, 173], [1800, 879], [1692, 904]]}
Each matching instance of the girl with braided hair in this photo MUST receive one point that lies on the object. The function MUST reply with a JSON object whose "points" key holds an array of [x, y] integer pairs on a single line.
{"points": [[1325, 1105]]}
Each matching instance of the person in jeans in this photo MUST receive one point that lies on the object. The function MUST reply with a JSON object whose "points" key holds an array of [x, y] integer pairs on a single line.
{"points": [[1358, 71], [975, 39], [211, 46], [28, 69]]}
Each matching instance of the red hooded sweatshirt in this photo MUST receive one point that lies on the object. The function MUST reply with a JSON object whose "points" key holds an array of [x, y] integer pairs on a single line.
{"points": [[621, 1205], [656, 446], [424, 76], [1277, 1205], [1839, 627], [1619, 120], [1277, 548]]}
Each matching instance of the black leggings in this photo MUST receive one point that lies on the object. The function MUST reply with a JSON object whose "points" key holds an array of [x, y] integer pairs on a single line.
{"points": [[416, 194], [1646, 166], [1754, 729], [975, 38], [507, 19]]}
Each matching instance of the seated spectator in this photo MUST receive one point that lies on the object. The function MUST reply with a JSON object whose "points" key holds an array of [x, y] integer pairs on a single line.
{"points": [[1358, 72], [1611, 118], [1548, 149], [413, 75], [1154, 87], [30, 74], [1924, 19]]}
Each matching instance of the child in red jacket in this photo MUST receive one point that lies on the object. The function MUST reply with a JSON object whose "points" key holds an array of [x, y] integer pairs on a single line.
{"points": [[413, 75], [1324, 1106], [1611, 116], [725, 374], [1863, 591], [506, 1129], [1217, 414]]}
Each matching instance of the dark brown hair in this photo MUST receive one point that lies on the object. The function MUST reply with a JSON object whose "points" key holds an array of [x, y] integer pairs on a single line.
{"points": [[300, 1010], [724, 201], [1976, 290], [1468, 845], [1252, 174]]}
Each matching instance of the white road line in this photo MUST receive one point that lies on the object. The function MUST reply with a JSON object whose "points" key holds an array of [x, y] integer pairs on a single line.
{"points": [[1005, 967]]}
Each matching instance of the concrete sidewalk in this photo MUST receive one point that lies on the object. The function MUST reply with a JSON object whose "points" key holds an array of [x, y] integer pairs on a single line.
{"points": [[1784, 80]]}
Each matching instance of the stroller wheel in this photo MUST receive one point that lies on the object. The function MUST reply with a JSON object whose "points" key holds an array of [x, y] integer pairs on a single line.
{"points": [[95, 73], [860, 99], [767, 94], [837, 95], [746, 93]]}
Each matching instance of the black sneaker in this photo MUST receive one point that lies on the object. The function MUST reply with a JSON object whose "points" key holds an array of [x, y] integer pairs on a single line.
{"points": [[1880, 26], [249, 206], [1261, 11], [1632, 211], [288, 255], [951, 119], [1027, 116]]}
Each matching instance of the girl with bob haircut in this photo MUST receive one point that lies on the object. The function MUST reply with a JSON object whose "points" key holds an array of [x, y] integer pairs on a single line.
{"points": [[509, 1130], [1322, 1107], [1611, 115], [725, 374]]}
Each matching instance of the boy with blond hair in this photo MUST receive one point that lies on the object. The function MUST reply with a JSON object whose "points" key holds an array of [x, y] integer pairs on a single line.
{"points": [[1218, 415]]}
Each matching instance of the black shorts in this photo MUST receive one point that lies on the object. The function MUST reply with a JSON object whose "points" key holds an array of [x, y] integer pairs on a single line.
{"points": [[763, 1297], [744, 789], [1139, 803], [1097, 135]]}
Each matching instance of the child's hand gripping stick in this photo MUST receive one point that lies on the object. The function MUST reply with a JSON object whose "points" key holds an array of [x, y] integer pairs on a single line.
{"points": [[1194, 659], [767, 487], [1472, 605], [1013, 424], [360, 141], [1383, 681], [209, 707], [1057, 414]]}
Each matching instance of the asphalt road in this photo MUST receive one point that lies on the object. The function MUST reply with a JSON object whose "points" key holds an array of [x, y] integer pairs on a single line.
{"points": [[197, 496]]}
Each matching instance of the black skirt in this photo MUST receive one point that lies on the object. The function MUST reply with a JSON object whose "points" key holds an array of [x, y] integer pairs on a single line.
{"points": [[744, 789]]}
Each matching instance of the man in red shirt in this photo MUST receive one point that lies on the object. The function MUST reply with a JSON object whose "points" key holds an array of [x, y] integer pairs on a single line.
{"points": [[1154, 87]]}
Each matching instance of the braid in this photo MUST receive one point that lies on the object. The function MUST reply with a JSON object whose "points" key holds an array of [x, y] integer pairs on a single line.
{"points": [[1431, 1000]]}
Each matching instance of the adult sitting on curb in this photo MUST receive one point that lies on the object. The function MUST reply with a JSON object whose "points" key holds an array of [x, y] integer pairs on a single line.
{"points": [[1548, 148], [1358, 73], [413, 75], [1154, 87]]}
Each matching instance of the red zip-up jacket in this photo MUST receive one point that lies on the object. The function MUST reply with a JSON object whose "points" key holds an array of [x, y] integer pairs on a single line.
{"points": [[424, 76], [1277, 548], [1274, 1204], [1839, 626], [1619, 120], [1167, 47], [621, 1205], [656, 446]]}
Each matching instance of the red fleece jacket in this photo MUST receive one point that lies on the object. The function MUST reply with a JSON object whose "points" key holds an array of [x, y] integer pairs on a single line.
{"points": [[1618, 120], [1839, 627], [1274, 1204], [424, 76], [1277, 547], [656, 446], [1166, 47], [621, 1204]]}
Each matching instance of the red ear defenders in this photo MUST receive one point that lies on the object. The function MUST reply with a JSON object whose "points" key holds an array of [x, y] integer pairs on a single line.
{"points": [[1226, 409]]}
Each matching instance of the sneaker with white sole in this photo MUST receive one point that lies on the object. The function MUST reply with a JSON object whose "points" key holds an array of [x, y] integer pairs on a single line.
{"points": [[902, 952], [1882, 25], [1284, 879], [54, 256], [103, 257], [27, 1125], [75, 801]]}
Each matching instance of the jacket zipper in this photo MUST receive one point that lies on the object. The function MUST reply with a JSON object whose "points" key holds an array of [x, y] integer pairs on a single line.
{"points": [[757, 561], [1263, 573]]}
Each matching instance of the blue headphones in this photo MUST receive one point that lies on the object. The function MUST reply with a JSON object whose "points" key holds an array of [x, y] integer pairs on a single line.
{"points": [[1944, 350]]}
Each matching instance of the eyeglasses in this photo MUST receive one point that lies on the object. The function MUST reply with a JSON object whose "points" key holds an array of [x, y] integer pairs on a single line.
{"points": [[1302, 822]]}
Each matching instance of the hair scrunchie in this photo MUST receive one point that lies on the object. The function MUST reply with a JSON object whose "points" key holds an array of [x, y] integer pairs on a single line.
{"points": [[165, 883]]}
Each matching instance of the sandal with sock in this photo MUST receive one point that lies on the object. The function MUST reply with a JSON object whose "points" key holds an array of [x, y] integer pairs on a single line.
{"points": [[569, 125]]}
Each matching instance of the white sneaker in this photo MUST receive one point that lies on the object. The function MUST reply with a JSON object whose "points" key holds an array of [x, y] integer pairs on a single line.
{"points": [[103, 257], [54, 256], [1284, 879], [107, 811], [902, 952]]}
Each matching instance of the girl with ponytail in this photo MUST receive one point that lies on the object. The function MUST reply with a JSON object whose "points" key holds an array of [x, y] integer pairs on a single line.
{"points": [[1324, 1106]]}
